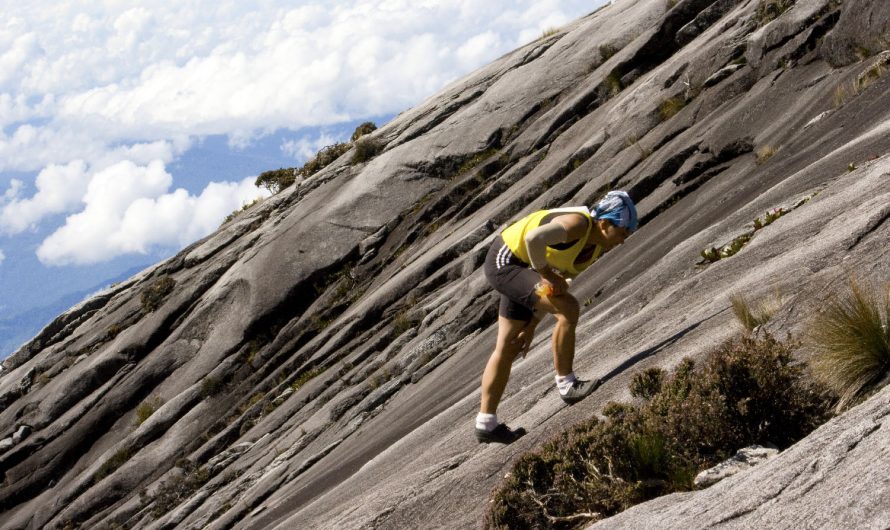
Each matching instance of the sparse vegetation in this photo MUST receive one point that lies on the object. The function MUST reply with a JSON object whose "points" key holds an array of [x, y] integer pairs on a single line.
{"points": [[769, 10], [211, 386], [764, 153], [305, 377], [366, 149], [279, 179], [178, 488], [747, 391], [549, 32], [231, 217], [607, 51], [851, 89], [670, 107], [112, 464], [749, 315], [851, 338], [146, 409], [153, 295], [712, 254], [365, 128]]}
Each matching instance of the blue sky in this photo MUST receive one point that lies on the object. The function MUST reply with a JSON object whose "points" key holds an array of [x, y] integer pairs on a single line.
{"points": [[129, 130]]}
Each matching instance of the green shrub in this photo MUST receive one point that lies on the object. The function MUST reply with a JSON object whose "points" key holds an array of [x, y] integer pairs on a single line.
{"points": [[277, 179], [155, 293], [366, 128], [366, 149], [747, 391], [851, 338]]}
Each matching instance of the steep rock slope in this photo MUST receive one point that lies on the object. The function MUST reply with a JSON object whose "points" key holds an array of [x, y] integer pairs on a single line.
{"points": [[315, 363]]}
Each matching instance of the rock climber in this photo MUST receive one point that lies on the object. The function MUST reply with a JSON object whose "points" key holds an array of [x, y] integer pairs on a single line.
{"points": [[529, 263]]}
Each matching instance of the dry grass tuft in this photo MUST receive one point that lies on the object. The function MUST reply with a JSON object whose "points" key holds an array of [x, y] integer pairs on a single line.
{"points": [[851, 338], [764, 153], [751, 316]]}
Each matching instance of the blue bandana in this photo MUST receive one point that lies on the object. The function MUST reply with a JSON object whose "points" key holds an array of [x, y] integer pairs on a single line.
{"points": [[618, 208]]}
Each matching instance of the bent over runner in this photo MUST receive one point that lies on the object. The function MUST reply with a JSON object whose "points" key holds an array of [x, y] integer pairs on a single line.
{"points": [[530, 264]]}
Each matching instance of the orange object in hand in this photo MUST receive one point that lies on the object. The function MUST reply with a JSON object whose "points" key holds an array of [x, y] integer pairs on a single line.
{"points": [[543, 289]]}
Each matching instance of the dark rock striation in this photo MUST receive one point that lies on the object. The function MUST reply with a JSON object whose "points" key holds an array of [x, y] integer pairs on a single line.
{"points": [[315, 362]]}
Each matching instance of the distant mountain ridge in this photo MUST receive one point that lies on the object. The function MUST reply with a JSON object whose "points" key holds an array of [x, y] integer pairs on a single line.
{"points": [[315, 363]]}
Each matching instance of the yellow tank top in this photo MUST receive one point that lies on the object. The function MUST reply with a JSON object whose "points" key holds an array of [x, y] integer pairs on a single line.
{"points": [[561, 260]]}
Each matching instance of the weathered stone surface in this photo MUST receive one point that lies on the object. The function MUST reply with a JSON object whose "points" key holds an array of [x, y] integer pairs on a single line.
{"points": [[320, 357], [745, 459], [863, 29]]}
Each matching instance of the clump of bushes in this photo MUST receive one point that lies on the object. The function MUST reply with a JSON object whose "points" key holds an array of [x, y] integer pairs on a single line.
{"points": [[279, 179], [747, 391], [155, 293], [851, 338]]}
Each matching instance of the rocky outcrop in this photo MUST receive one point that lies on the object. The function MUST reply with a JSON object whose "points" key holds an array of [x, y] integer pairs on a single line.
{"points": [[317, 363]]}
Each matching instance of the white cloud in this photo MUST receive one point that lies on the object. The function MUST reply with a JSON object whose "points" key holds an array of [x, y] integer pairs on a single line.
{"points": [[128, 209], [2, 257], [60, 189]]}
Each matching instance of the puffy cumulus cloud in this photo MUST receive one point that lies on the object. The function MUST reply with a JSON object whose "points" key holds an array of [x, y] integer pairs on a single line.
{"points": [[60, 189], [128, 209]]}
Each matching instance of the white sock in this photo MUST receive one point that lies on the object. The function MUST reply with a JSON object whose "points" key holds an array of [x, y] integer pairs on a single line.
{"points": [[486, 421], [564, 382]]}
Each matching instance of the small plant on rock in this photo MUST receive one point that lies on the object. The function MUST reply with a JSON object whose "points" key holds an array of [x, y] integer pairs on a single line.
{"points": [[146, 409], [366, 128], [750, 316], [851, 338], [155, 293], [764, 153], [670, 107]]}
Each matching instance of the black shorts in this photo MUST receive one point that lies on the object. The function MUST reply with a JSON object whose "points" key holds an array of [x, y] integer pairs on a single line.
{"points": [[514, 279]]}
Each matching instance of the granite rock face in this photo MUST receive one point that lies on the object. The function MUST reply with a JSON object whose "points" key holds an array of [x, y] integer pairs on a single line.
{"points": [[316, 363]]}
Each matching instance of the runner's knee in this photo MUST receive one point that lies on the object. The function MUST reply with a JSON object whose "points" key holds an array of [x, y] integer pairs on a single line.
{"points": [[569, 310]]}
